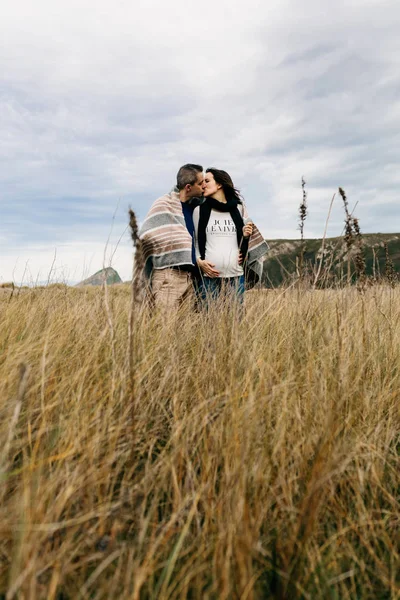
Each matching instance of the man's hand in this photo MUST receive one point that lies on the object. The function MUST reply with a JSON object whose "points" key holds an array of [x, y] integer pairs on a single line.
{"points": [[247, 230], [240, 258], [206, 267]]}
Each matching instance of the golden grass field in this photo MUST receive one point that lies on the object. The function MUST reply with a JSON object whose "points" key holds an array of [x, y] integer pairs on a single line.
{"points": [[200, 456]]}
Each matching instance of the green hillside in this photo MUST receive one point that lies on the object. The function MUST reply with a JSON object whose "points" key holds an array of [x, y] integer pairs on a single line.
{"points": [[280, 265]]}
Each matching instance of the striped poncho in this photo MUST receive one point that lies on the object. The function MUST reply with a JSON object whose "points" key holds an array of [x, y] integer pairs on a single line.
{"points": [[166, 241]]}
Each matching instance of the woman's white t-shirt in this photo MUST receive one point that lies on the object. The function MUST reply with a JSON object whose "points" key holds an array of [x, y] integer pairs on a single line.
{"points": [[221, 247]]}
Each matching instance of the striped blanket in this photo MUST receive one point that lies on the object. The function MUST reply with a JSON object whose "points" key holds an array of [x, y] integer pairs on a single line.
{"points": [[166, 241], [257, 252]]}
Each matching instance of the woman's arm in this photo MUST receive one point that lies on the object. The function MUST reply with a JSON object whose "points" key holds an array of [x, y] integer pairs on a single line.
{"points": [[248, 229], [244, 246]]}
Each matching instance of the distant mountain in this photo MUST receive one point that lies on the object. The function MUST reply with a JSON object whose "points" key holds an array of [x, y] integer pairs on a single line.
{"points": [[280, 264], [107, 275]]}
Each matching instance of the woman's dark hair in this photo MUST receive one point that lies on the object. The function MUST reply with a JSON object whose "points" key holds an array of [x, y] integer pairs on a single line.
{"points": [[224, 179]]}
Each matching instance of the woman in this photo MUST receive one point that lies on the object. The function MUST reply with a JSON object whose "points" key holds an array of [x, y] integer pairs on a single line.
{"points": [[228, 245]]}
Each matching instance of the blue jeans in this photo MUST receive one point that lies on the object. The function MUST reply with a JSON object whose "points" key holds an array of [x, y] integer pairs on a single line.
{"points": [[209, 288]]}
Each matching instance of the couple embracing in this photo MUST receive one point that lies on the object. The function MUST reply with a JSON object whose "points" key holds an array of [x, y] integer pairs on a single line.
{"points": [[198, 240]]}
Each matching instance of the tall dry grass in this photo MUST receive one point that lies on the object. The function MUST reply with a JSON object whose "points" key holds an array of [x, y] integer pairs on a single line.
{"points": [[258, 458]]}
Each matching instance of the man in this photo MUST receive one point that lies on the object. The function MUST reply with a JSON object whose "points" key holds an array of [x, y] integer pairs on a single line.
{"points": [[167, 240]]}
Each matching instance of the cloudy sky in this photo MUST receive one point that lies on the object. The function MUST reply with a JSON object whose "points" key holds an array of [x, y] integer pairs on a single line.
{"points": [[101, 102]]}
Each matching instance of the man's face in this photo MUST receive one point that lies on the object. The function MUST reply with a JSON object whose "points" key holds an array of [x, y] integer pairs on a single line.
{"points": [[197, 188]]}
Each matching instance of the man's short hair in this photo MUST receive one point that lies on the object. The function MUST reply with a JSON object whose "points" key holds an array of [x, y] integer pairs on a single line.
{"points": [[187, 175]]}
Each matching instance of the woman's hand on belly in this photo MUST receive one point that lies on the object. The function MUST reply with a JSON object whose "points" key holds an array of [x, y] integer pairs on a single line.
{"points": [[207, 268]]}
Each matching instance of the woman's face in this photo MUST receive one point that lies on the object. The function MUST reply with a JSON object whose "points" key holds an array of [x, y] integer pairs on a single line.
{"points": [[211, 187]]}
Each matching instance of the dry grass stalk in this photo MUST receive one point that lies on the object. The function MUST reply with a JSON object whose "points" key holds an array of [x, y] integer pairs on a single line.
{"points": [[348, 233], [137, 290], [138, 264], [354, 245], [301, 270], [390, 272], [318, 271]]}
